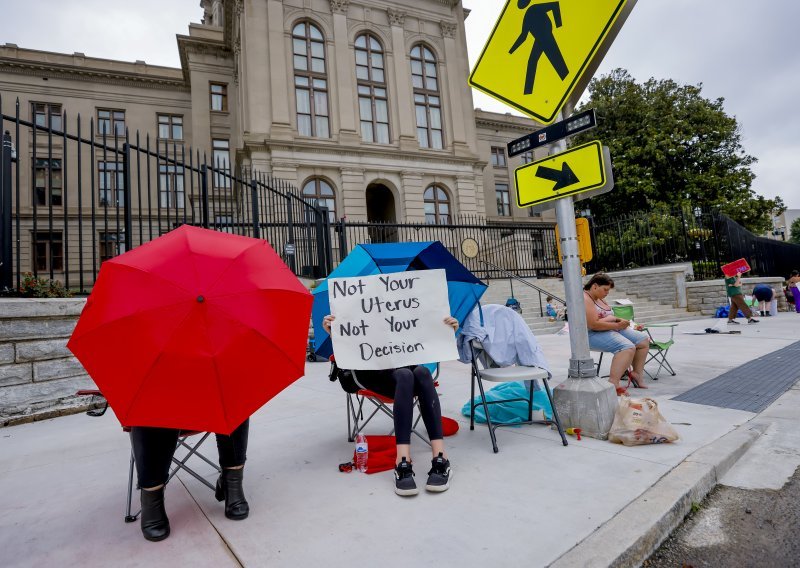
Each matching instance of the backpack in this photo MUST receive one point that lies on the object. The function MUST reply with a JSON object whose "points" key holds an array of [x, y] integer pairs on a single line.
{"points": [[514, 304]]}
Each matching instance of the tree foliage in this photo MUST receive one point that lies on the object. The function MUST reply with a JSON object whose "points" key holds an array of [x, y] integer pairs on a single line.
{"points": [[671, 146], [795, 232]]}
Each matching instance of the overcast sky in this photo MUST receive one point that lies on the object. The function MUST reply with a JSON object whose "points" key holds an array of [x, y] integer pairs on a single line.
{"points": [[746, 51]]}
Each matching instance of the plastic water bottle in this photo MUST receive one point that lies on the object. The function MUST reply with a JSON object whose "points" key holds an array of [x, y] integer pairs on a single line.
{"points": [[362, 453]]}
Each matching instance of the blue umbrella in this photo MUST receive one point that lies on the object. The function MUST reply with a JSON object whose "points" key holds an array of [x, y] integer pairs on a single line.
{"points": [[463, 288]]}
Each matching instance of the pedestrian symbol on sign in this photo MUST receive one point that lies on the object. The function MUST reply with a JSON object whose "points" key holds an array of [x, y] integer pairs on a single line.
{"points": [[537, 23]]}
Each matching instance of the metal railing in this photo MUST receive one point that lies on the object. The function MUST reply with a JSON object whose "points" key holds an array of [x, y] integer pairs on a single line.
{"points": [[69, 201], [512, 277]]}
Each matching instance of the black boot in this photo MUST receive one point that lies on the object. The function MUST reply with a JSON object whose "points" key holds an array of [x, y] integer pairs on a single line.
{"points": [[155, 524], [229, 487]]}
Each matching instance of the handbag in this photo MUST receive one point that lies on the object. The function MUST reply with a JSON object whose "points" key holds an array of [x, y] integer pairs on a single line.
{"points": [[638, 421], [345, 378]]}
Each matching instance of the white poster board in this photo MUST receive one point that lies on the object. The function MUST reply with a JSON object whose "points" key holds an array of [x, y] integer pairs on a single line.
{"points": [[391, 320]]}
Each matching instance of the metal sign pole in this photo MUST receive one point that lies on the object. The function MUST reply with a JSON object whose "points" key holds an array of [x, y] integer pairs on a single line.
{"points": [[582, 401]]}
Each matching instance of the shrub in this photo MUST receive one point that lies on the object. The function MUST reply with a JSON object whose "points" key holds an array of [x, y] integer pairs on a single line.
{"points": [[32, 287]]}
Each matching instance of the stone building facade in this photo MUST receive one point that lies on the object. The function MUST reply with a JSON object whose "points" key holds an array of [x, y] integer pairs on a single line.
{"points": [[363, 106]]}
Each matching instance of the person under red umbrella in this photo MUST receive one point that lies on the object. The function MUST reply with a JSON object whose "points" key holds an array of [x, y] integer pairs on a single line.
{"points": [[195, 330], [153, 449]]}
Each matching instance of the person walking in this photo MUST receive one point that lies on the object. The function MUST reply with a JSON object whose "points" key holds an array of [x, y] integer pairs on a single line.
{"points": [[733, 288]]}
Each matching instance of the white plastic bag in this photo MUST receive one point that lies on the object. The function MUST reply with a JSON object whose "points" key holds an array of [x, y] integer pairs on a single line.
{"points": [[638, 421]]}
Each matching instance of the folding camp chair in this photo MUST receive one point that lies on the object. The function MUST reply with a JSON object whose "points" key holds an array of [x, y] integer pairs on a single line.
{"points": [[485, 369], [355, 409], [192, 449], [657, 349]]}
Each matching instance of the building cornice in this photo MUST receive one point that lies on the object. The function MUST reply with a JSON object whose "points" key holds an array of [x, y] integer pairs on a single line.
{"points": [[199, 45], [81, 73], [505, 121]]}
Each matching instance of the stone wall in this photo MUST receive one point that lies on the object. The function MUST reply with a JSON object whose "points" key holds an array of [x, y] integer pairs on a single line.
{"points": [[708, 295], [665, 284], [38, 375]]}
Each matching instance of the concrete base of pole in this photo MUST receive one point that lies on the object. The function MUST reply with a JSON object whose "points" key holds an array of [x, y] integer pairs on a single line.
{"points": [[588, 404]]}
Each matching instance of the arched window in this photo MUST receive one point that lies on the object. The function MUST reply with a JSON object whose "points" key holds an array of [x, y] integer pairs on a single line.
{"points": [[373, 105], [427, 102], [310, 80], [319, 193], [437, 206]]}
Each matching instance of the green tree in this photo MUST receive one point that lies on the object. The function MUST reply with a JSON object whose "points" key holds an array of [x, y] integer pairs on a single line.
{"points": [[671, 146], [795, 232]]}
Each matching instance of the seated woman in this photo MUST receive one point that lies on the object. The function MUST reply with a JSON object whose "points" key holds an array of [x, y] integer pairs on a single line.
{"points": [[614, 335], [403, 385], [153, 449]]}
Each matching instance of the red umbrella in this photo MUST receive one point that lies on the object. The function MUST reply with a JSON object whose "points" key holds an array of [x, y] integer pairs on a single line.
{"points": [[194, 330]]}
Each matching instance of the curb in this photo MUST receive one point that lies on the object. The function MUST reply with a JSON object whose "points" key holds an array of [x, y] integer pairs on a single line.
{"points": [[634, 533]]}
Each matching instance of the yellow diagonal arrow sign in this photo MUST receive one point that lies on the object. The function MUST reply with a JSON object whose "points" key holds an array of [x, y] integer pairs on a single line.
{"points": [[577, 170]]}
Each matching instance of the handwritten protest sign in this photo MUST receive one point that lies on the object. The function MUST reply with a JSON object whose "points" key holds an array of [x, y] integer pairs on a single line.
{"points": [[391, 320]]}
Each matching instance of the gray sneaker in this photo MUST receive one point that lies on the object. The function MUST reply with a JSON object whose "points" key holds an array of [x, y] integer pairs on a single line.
{"points": [[733, 322], [439, 475], [752, 320], [404, 484]]}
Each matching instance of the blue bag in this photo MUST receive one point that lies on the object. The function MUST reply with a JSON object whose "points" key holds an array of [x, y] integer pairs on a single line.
{"points": [[510, 412]]}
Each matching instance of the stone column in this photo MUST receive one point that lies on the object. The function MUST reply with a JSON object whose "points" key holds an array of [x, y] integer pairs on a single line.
{"points": [[453, 90], [466, 195], [413, 202], [353, 194], [345, 79], [281, 80], [255, 81], [406, 127]]}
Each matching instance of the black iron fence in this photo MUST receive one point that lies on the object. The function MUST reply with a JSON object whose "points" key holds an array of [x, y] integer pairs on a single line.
{"points": [[69, 201], [705, 237], [525, 249]]}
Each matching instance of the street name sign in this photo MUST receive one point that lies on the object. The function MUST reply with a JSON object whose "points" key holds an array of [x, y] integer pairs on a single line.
{"points": [[579, 169], [541, 54], [575, 124]]}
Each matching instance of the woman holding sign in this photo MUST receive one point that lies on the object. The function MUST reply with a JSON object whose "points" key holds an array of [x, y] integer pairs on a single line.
{"points": [[402, 385]]}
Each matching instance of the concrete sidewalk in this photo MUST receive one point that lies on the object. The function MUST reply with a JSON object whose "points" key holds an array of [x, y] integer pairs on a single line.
{"points": [[536, 503]]}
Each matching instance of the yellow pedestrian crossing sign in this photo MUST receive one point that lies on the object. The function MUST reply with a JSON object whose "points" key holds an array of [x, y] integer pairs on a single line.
{"points": [[579, 169], [542, 53]]}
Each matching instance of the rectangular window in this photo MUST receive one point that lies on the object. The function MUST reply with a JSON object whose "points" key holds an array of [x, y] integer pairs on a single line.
{"points": [[170, 127], [111, 183], [48, 251], [110, 122], [171, 186], [429, 121], [111, 245], [219, 97], [221, 163], [48, 183], [532, 213], [527, 157], [503, 204], [47, 115], [498, 157], [311, 97]]}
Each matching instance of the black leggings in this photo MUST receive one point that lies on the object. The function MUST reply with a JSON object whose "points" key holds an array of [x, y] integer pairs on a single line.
{"points": [[153, 449], [403, 385]]}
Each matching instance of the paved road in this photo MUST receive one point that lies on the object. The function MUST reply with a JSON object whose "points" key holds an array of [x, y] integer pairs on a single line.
{"points": [[752, 519]]}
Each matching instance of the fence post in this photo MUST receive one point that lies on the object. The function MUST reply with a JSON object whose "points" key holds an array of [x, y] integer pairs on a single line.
{"points": [[342, 239], [204, 196], [254, 205], [126, 174], [290, 230], [6, 262], [328, 248], [319, 227], [621, 245]]}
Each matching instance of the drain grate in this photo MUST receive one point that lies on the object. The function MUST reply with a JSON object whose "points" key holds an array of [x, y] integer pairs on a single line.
{"points": [[752, 386]]}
